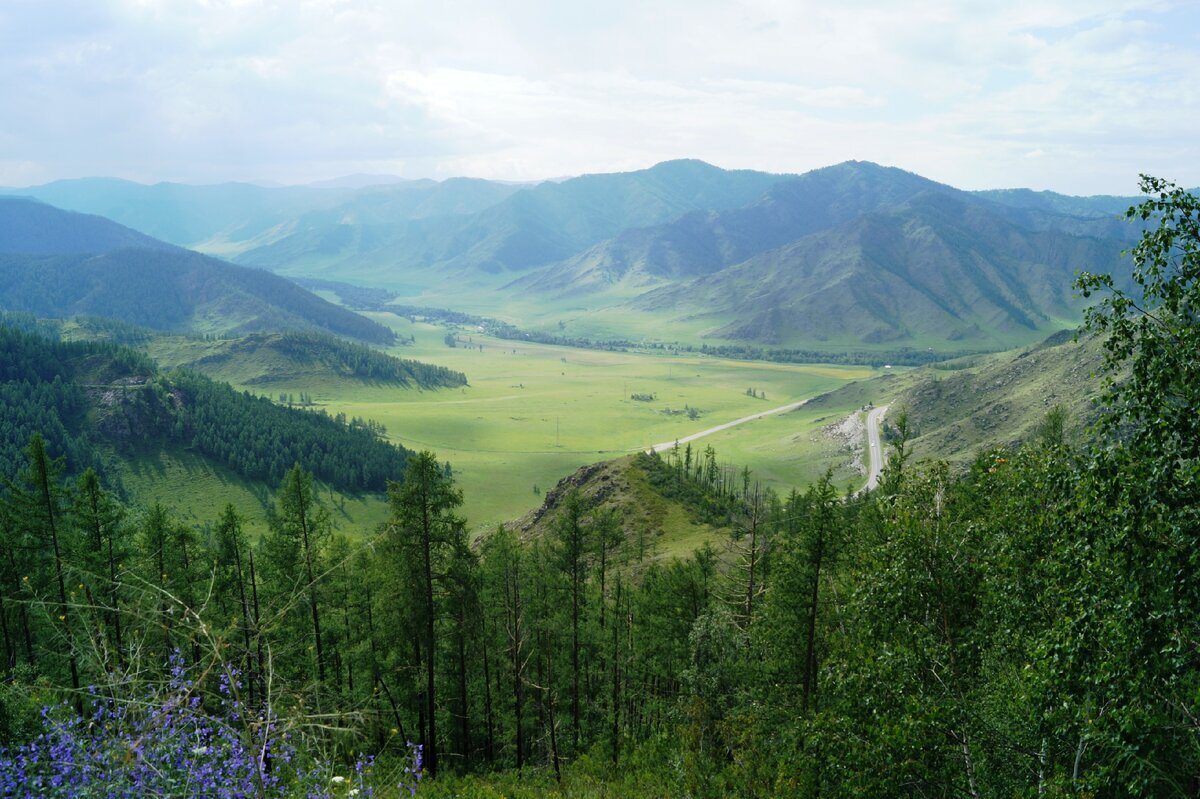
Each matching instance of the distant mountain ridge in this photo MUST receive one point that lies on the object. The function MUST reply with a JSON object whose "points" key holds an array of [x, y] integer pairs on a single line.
{"points": [[530, 227], [845, 256], [58, 263], [702, 242], [30, 226], [183, 214]]}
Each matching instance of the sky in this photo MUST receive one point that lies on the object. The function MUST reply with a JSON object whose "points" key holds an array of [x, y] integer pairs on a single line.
{"points": [[1076, 96]]}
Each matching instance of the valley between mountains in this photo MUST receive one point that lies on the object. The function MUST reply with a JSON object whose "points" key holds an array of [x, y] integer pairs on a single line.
{"points": [[586, 318]]}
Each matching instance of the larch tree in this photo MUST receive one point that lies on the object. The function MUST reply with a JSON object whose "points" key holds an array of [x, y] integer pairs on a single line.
{"points": [[425, 530]]}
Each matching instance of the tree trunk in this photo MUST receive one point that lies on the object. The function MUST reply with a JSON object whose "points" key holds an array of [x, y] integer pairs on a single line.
{"points": [[312, 587], [114, 597], [258, 674], [10, 653], [575, 588], [245, 625], [189, 600], [810, 654], [548, 700], [616, 684], [42, 473], [464, 708], [515, 639], [431, 758], [489, 750]]}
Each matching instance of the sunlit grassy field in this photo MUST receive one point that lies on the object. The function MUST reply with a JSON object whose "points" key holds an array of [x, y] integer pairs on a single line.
{"points": [[533, 413]]}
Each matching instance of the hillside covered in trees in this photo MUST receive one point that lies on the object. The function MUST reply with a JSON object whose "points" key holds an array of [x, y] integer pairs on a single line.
{"points": [[93, 401]]}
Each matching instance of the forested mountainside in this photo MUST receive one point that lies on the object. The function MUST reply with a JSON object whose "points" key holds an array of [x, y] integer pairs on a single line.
{"points": [[28, 226], [56, 263], [94, 402]]}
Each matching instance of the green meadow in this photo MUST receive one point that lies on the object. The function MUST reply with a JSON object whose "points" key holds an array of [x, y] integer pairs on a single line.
{"points": [[534, 413]]}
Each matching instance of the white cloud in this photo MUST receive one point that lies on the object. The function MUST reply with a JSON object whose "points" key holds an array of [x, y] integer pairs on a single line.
{"points": [[960, 91]]}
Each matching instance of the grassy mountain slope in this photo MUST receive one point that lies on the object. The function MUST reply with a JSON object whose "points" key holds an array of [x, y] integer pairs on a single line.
{"points": [[193, 485], [656, 522], [703, 242], [531, 227], [1003, 400], [851, 256], [382, 205], [942, 270], [265, 359], [228, 218], [366, 224], [960, 408]]}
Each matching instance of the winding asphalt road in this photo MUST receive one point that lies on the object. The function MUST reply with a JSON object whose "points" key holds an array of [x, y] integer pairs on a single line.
{"points": [[875, 454], [874, 447], [666, 445]]}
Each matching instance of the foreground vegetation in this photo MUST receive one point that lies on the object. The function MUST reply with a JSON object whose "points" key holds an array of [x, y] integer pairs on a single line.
{"points": [[1028, 629]]}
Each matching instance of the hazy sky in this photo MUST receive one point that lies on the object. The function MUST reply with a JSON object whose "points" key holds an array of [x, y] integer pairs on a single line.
{"points": [[1073, 95]]}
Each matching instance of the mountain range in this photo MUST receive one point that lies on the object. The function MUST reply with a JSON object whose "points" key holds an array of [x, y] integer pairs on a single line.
{"points": [[936, 268], [852, 255]]}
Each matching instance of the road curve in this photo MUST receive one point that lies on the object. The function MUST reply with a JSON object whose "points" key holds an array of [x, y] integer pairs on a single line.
{"points": [[875, 455], [666, 445]]}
